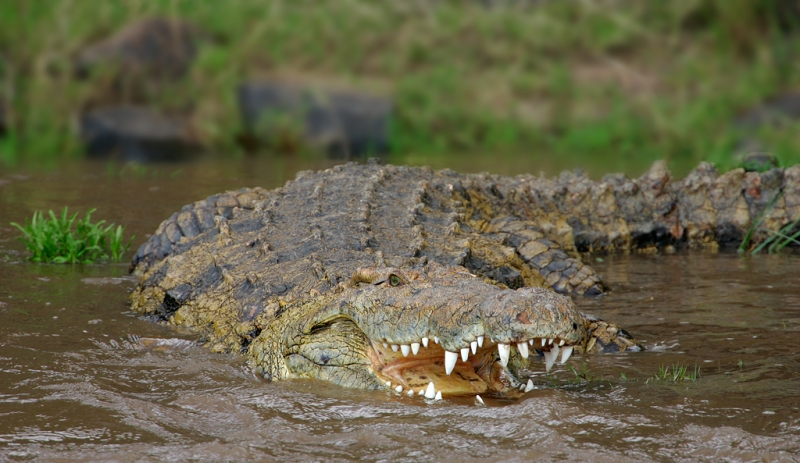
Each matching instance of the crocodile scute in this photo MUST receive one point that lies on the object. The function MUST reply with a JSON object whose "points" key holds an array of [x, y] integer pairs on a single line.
{"points": [[391, 277]]}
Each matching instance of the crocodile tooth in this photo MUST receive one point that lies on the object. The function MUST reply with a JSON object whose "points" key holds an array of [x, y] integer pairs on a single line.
{"points": [[388, 384], [399, 388], [521, 387], [421, 392], [425, 342], [436, 340], [395, 347], [450, 359], [414, 348], [480, 341], [474, 347], [529, 386], [549, 340], [522, 347], [530, 341], [544, 342], [480, 401], [561, 343], [438, 395], [565, 353], [464, 354], [385, 345], [405, 348], [555, 350], [504, 350], [430, 391], [410, 392], [549, 359]]}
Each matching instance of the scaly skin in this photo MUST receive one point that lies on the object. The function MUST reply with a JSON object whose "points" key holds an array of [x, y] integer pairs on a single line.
{"points": [[340, 337], [312, 279]]}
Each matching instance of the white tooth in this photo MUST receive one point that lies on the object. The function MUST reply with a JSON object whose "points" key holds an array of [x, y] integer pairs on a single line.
{"points": [[385, 345], [474, 347], [529, 386], [388, 384], [555, 350], [566, 352], [450, 359], [438, 395], [523, 349], [414, 347], [421, 392], [399, 388], [549, 341], [410, 392], [492, 340], [549, 359], [464, 354], [480, 341], [436, 340], [561, 343], [425, 342], [504, 350], [405, 348], [530, 341], [395, 347], [480, 401], [544, 342], [430, 391], [521, 387]]}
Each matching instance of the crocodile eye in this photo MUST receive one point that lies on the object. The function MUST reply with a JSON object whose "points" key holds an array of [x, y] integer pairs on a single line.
{"points": [[394, 280]]}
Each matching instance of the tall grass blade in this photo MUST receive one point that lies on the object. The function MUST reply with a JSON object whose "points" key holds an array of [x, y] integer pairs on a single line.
{"points": [[68, 239], [755, 226]]}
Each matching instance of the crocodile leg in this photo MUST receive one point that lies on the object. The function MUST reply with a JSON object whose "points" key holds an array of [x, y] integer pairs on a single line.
{"points": [[564, 273]]}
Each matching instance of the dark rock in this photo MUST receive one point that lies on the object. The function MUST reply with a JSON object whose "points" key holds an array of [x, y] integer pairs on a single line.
{"points": [[139, 134], [775, 112], [780, 113], [342, 123], [154, 47]]}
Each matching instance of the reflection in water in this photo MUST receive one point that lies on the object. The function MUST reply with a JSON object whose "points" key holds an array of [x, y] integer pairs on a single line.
{"points": [[81, 378]]}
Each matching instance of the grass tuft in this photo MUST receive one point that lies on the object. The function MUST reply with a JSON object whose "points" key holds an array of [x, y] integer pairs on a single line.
{"points": [[68, 239], [674, 374], [777, 240]]}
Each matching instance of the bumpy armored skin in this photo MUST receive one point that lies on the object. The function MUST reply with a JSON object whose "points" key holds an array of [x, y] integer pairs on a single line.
{"points": [[377, 276]]}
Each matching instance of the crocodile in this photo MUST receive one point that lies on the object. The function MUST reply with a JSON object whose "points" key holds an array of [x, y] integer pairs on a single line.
{"points": [[430, 282]]}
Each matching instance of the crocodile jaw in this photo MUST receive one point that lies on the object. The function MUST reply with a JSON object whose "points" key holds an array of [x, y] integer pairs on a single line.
{"points": [[445, 332], [482, 372]]}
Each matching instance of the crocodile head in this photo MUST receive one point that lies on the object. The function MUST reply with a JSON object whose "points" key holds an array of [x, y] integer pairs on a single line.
{"points": [[423, 331]]}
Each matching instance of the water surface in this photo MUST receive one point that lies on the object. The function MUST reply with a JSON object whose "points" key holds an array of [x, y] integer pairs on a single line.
{"points": [[84, 379]]}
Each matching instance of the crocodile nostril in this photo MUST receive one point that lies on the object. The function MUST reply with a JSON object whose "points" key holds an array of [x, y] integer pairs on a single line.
{"points": [[574, 326]]}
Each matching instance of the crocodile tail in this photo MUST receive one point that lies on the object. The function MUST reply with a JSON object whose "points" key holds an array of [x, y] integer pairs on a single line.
{"points": [[705, 209]]}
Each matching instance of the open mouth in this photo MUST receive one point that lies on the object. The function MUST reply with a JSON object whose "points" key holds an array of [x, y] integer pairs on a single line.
{"points": [[425, 368]]}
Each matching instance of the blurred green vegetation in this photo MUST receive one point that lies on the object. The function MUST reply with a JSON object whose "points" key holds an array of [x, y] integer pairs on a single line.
{"points": [[624, 79]]}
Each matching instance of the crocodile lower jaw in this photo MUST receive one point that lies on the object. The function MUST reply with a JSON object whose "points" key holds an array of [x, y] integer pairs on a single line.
{"points": [[431, 371]]}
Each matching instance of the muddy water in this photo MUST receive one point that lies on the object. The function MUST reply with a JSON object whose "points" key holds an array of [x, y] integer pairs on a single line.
{"points": [[83, 379]]}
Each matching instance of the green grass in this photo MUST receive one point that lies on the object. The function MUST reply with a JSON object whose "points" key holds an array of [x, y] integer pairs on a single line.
{"points": [[674, 374], [68, 239], [625, 81], [775, 241]]}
